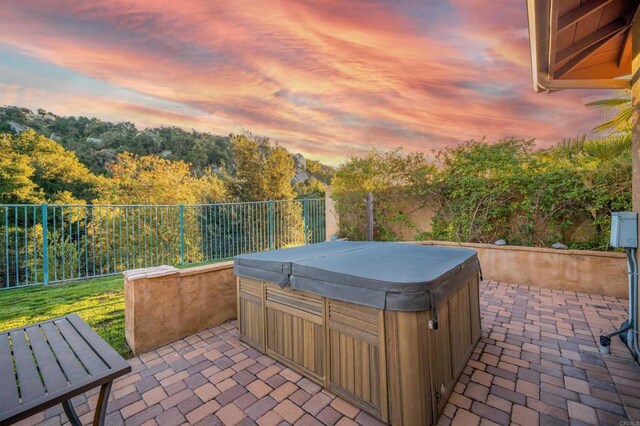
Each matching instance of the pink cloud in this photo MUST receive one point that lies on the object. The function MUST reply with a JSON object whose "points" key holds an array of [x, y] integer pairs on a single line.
{"points": [[323, 77]]}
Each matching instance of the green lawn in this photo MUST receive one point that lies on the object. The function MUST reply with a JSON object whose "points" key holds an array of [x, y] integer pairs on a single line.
{"points": [[100, 302]]}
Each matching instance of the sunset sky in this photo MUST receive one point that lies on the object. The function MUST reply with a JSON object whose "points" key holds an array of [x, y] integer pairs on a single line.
{"points": [[327, 78]]}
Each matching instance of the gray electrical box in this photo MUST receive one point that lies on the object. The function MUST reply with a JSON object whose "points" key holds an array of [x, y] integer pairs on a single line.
{"points": [[624, 229]]}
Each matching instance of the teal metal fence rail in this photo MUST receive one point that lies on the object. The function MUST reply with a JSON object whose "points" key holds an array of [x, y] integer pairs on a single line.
{"points": [[42, 244]]}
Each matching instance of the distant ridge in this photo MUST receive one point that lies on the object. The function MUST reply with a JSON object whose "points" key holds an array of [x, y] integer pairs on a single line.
{"points": [[97, 142]]}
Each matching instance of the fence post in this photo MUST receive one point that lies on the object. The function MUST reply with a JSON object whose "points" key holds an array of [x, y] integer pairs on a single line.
{"points": [[271, 218], [305, 224], [369, 201], [45, 245], [181, 234]]}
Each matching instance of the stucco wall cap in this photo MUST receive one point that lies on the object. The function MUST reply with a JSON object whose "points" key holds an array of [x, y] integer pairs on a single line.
{"points": [[569, 252], [205, 269], [155, 271]]}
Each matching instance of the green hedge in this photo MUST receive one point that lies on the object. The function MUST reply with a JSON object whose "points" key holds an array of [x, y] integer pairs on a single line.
{"points": [[485, 191]]}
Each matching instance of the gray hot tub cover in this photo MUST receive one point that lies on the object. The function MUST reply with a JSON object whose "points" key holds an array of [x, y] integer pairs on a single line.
{"points": [[275, 265], [394, 276]]}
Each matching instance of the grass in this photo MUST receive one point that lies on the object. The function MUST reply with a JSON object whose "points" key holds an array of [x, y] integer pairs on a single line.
{"points": [[100, 302]]}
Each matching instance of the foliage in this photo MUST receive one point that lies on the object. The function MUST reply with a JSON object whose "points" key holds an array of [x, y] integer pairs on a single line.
{"points": [[16, 172], [150, 179], [310, 188], [477, 187], [320, 171], [568, 148], [392, 177], [40, 170], [37, 169], [619, 109], [97, 143], [211, 188], [609, 190], [263, 171], [483, 191], [608, 148], [504, 191]]}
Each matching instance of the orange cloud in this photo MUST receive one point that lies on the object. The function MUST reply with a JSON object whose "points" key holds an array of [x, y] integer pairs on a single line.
{"points": [[325, 78]]}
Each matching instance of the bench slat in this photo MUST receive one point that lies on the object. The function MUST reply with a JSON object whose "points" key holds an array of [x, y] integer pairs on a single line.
{"points": [[31, 386], [51, 373], [71, 367], [109, 355], [83, 351], [8, 384]]}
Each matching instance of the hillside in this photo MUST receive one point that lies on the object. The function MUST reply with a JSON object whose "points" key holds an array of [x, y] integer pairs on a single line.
{"points": [[97, 142]]}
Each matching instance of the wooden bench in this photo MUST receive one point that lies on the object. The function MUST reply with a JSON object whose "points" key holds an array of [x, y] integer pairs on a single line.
{"points": [[48, 363]]}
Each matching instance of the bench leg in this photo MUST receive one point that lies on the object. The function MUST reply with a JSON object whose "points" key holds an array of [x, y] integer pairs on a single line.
{"points": [[71, 413], [101, 407]]}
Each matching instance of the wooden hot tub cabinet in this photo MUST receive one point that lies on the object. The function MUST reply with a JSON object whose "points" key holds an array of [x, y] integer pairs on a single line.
{"points": [[390, 363]]}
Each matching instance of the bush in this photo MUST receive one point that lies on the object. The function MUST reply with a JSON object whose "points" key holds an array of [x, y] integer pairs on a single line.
{"points": [[392, 177], [482, 192]]}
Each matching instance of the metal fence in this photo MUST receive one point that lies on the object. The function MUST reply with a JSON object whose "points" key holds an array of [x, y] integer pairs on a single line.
{"points": [[42, 244]]}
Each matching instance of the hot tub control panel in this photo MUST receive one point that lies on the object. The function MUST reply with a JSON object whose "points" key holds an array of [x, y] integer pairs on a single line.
{"points": [[624, 229]]}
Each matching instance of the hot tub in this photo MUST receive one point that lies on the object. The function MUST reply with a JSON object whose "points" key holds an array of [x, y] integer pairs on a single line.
{"points": [[387, 326]]}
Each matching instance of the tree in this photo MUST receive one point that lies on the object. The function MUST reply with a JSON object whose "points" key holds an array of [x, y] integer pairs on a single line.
{"points": [[54, 169], [211, 188], [279, 170], [150, 179], [16, 173], [248, 168], [621, 109], [477, 188], [608, 148], [393, 177], [261, 171], [320, 171], [310, 188], [579, 149]]}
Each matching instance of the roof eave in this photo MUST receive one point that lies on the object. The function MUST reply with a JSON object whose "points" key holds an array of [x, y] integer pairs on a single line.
{"points": [[538, 15], [545, 84], [533, 42]]}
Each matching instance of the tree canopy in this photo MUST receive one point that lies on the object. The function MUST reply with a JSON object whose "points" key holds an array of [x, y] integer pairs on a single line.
{"points": [[150, 179], [263, 171], [48, 158], [37, 169]]}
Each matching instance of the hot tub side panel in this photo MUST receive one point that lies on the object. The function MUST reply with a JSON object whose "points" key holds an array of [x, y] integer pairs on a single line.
{"points": [[295, 330], [423, 364], [408, 368], [454, 341], [251, 313], [357, 356]]}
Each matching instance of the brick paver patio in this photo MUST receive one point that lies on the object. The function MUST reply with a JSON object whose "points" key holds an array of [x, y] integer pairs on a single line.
{"points": [[537, 363]]}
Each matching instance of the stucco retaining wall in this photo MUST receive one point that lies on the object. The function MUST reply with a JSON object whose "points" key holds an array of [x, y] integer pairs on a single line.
{"points": [[165, 304], [582, 271]]}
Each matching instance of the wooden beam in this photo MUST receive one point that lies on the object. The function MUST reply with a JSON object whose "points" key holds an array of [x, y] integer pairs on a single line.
{"points": [[625, 52], [538, 26], [580, 57], [545, 84], [594, 38], [581, 12], [631, 10], [553, 35]]}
